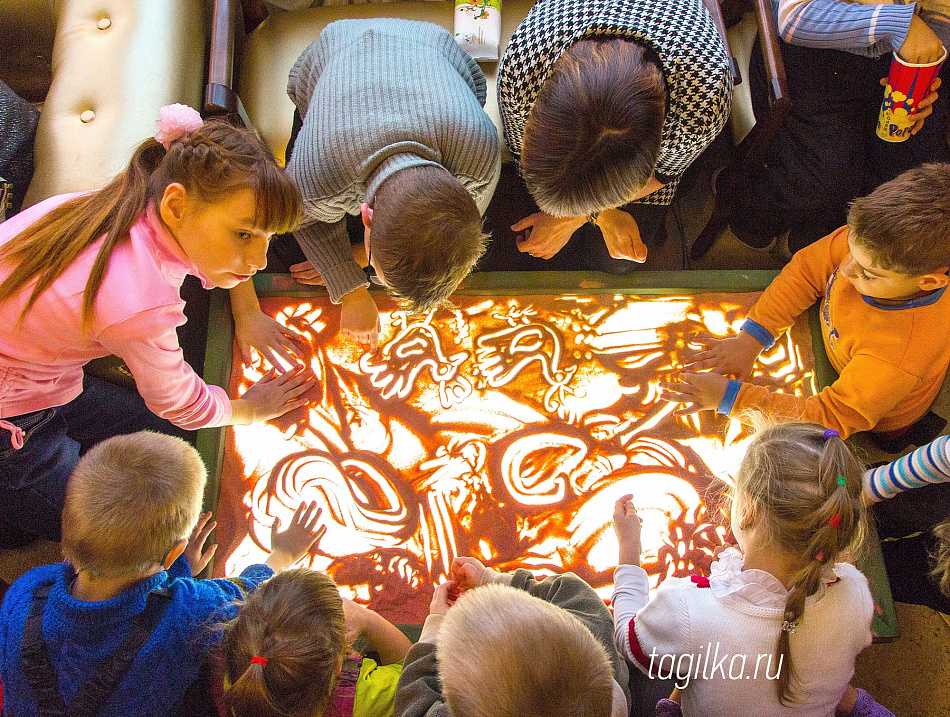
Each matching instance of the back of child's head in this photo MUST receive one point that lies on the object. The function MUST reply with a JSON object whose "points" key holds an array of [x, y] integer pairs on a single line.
{"points": [[426, 235], [801, 491], [294, 624], [211, 162], [593, 135], [129, 500], [505, 653], [904, 224]]}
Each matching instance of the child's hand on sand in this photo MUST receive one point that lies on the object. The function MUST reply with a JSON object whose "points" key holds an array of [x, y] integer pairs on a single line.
{"points": [[441, 597], [197, 557], [627, 527], [734, 356], [700, 391], [359, 318], [301, 536]]}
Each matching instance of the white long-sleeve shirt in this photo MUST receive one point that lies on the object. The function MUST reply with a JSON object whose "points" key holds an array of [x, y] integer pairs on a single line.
{"points": [[717, 637]]}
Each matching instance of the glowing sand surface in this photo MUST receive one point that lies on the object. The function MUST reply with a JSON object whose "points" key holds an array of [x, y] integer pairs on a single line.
{"points": [[504, 429]]}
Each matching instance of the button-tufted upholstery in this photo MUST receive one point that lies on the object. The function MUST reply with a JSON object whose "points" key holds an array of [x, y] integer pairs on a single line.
{"points": [[275, 45], [113, 63]]}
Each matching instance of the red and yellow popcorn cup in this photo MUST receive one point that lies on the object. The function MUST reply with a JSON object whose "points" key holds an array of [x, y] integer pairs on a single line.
{"points": [[907, 85]]}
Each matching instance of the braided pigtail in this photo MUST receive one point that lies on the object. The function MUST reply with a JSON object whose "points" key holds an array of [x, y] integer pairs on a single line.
{"points": [[802, 484]]}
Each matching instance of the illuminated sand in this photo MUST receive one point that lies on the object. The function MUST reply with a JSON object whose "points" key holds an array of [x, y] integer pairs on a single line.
{"points": [[505, 430]]}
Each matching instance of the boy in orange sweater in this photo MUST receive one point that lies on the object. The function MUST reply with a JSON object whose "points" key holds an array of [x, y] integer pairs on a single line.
{"points": [[884, 310]]}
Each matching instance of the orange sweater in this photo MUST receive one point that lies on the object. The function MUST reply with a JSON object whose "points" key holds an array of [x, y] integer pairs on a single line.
{"points": [[891, 360]]}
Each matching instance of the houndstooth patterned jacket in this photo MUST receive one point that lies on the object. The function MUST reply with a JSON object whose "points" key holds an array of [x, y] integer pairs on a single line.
{"points": [[682, 34]]}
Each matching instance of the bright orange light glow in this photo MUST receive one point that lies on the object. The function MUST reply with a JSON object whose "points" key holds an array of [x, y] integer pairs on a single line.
{"points": [[505, 429]]}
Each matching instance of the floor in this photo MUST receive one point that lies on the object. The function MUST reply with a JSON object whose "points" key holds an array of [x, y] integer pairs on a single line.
{"points": [[910, 675]]}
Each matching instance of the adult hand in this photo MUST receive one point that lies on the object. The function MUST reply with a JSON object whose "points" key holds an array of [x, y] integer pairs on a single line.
{"points": [[925, 108], [270, 338], [301, 536], [627, 528], [359, 318], [734, 356], [197, 557], [276, 393], [622, 235], [304, 273], [701, 391], [921, 46], [545, 235], [441, 601]]}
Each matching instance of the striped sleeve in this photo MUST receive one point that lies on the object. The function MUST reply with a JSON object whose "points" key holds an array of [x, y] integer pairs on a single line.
{"points": [[869, 30], [925, 466]]}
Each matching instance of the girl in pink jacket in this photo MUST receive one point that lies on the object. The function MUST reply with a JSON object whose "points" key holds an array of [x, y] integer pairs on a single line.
{"points": [[88, 275]]}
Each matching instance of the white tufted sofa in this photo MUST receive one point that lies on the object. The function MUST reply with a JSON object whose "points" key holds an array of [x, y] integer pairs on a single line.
{"points": [[113, 63]]}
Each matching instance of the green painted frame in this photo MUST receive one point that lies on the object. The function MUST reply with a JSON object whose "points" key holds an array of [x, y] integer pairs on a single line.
{"points": [[218, 357]]}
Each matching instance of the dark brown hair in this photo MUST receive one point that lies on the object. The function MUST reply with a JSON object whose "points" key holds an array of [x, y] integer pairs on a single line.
{"points": [[788, 480], [905, 224], [212, 162], [593, 135], [295, 622], [426, 235]]}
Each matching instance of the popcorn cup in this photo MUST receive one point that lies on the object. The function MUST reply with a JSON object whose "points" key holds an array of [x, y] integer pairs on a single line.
{"points": [[907, 85]]}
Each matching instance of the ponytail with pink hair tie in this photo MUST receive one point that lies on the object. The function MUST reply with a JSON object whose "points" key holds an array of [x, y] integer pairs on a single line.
{"points": [[174, 121]]}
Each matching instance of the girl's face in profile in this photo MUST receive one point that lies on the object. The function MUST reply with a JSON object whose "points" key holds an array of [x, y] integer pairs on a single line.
{"points": [[220, 238]]}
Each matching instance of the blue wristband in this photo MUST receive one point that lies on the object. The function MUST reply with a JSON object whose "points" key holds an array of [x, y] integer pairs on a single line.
{"points": [[760, 333], [729, 398]]}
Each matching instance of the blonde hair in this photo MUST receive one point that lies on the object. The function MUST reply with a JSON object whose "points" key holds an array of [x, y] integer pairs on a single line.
{"points": [[213, 162], [295, 622], [504, 653], [940, 572], [129, 500], [789, 484], [426, 236]]}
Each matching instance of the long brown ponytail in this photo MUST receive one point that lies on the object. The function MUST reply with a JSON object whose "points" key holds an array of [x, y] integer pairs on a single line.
{"points": [[294, 625], [213, 161], [805, 488]]}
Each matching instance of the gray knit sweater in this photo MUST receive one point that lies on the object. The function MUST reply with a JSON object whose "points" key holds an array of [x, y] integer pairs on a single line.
{"points": [[377, 96]]}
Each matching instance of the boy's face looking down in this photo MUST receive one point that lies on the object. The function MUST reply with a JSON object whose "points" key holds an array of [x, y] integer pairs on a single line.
{"points": [[869, 279]]}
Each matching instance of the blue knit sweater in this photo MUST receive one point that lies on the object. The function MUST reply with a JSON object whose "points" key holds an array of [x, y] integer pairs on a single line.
{"points": [[80, 634]]}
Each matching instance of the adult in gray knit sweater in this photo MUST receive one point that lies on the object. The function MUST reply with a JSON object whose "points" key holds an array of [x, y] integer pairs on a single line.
{"points": [[393, 129]]}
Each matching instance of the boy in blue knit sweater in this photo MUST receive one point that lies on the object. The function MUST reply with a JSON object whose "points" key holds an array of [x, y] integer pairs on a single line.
{"points": [[121, 627]]}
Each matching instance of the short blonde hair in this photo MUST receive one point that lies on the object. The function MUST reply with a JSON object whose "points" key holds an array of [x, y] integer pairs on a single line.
{"points": [[504, 653], [129, 500]]}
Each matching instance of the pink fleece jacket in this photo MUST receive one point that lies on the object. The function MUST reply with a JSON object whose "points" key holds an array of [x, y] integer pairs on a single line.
{"points": [[136, 313]]}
